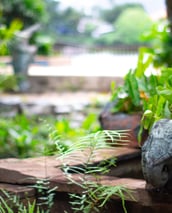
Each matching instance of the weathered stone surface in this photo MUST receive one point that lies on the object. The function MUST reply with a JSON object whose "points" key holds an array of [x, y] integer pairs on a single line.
{"points": [[122, 121], [37, 109], [157, 156], [18, 190], [71, 83], [25, 172], [47, 104], [9, 108]]}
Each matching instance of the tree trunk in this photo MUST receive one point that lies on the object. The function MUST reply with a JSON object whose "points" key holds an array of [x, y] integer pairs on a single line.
{"points": [[169, 11]]}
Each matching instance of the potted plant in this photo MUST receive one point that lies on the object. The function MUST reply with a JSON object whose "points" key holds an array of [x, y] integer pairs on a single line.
{"points": [[144, 97]]}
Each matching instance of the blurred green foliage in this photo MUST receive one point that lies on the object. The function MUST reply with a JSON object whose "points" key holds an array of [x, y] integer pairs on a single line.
{"points": [[128, 28], [132, 96], [159, 102], [7, 34], [8, 83], [18, 15], [145, 90], [160, 40], [111, 15], [63, 25], [44, 43], [27, 11], [131, 25], [22, 136]]}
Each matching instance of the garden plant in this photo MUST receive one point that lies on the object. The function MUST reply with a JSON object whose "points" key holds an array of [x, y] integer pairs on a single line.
{"points": [[95, 196], [146, 90]]}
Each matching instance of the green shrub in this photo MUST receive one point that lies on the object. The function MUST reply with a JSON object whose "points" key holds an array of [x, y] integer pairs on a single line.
{"points": [[7, 34], [160, 40], [94, 195], [23, 136], [8, 83], [145, 91]]}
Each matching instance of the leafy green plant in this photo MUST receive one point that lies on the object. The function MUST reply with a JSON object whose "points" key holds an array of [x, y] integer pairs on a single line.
{"points": [[159, 101], [44, 43], [31, 12], [94, 195], [6, 35], [129, 32], [45, 194], [146, 90], [8, 83], [160, 43], [159, 105], [137, 87], [69, 134], [22, 136], [11, 203]]}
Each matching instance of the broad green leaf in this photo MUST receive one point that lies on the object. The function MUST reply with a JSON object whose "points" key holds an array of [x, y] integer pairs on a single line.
{"points": [[147, 119], [141, 65], [152, 84], [165, 92], [132, 87], [159, 108], [166, 75]]}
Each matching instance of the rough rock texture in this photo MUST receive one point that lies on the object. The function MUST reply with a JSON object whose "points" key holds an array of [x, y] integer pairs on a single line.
{"points": [[18, 176], [157, 154], [122, 121]]}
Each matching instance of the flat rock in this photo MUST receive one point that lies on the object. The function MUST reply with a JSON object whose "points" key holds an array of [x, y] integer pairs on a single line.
{"points": [[17, 174], [26, 171]]}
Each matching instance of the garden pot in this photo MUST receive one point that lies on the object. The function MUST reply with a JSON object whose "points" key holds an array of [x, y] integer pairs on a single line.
{"points": [[123, 121]]}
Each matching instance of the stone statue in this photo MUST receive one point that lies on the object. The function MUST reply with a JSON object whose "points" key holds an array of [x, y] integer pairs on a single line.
{"points": [[157, 155], [23, 54]]}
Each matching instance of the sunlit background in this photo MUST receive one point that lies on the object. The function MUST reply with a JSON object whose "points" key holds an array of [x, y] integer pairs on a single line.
{"points": [[85, 38]]}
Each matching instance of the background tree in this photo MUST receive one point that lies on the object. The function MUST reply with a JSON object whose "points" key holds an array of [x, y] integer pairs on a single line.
{"points": [[130, 25], [19, 14], [28, 11], [169, 11], [128, 28], [111, 15]]}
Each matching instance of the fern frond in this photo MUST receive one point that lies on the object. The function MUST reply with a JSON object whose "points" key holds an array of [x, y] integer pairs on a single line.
{"points": [[80, 158]]}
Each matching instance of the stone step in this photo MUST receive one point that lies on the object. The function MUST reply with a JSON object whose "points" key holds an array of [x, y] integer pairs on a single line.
{"points": [[27, 171], [40, 84], [17, 174]]}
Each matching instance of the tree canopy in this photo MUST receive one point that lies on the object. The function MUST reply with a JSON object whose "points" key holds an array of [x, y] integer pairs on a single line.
{"points": [[111, 15], [127, 21], [28, 11], [130, 25]]}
